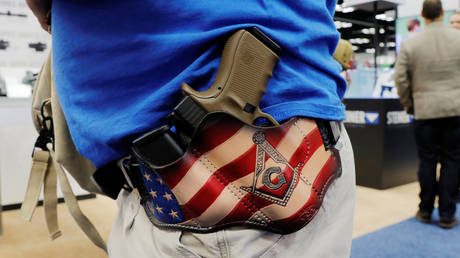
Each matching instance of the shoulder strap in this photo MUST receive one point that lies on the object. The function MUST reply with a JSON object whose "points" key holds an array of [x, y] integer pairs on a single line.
{"points": [[40, 162], [45, 171], [73, 206], [51, 154], [42, 173]]}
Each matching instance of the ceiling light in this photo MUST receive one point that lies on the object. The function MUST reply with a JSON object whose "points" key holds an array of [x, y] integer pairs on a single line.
{"points": [[390, 15], [380, 16], [382, 30], [381, 44], [359, 41], [340, 25], [370, 50], [348, 9], [368, 31]]}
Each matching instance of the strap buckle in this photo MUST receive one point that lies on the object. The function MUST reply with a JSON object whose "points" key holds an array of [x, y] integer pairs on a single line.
{"points": [[46, 134]]}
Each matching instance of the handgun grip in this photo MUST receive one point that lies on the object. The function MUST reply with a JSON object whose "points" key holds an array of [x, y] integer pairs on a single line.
{"points": [[245, 68]]}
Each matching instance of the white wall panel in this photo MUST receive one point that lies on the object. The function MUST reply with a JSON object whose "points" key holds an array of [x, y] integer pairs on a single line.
{"points": [[17, 136]]}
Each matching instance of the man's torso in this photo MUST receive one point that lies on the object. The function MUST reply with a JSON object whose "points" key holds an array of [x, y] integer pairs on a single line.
{"points": [[434, 65]]}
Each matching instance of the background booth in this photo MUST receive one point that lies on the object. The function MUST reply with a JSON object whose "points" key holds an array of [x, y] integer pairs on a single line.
{"points": [[383, 142], [380, 130]]}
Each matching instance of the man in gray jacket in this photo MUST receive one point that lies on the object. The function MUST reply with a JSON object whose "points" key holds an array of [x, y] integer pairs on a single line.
{"points": [[455, 23], [427, 76]]}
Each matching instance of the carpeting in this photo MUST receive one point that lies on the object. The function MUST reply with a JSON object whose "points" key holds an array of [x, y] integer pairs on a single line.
{"points": [[410, 238]]}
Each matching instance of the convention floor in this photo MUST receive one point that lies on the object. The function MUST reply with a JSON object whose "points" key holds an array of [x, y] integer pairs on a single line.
{"points": [[374, 209]]}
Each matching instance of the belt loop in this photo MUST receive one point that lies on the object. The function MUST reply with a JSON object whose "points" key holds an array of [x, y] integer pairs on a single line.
{"points": [[124, 164]]}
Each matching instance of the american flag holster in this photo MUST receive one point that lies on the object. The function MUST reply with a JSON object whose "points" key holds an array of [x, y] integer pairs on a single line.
{"points": [[271, 178]]}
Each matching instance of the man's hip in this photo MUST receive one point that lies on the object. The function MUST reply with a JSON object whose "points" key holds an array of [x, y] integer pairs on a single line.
{"points": [[327, 234]]}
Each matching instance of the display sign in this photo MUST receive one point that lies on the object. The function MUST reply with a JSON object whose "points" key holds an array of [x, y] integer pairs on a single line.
{"points": [[361, 117], [399, 117]]}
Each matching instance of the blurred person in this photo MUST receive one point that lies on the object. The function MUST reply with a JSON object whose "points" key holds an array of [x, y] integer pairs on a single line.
{"points": [[427, 77], [117, 80], [455, 23], [455, 20], [413, 26], [344, 54]]}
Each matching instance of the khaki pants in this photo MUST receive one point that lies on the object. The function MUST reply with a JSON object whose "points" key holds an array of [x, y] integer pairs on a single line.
{"points": [[327, 235]]}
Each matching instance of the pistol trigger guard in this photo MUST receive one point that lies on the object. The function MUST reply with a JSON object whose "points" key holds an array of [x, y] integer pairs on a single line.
{"points": [[259, 114]]}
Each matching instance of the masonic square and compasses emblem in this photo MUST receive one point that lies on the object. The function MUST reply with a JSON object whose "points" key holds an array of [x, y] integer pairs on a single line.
{"points": [[277, 190]]}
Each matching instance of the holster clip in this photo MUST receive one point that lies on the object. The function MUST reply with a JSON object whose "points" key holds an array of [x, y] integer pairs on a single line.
{"points": [[330, 132], [159, 147]]}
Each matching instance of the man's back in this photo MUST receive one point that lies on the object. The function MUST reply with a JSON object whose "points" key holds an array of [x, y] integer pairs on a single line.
{"points": [[433, 66], [118, 66]]}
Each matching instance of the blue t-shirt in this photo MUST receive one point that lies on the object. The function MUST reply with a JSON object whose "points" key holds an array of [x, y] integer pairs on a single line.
{"points": [[119, 65]]}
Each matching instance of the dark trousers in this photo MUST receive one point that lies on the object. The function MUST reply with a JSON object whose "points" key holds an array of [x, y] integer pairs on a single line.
{"points": [[438, 140]]}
